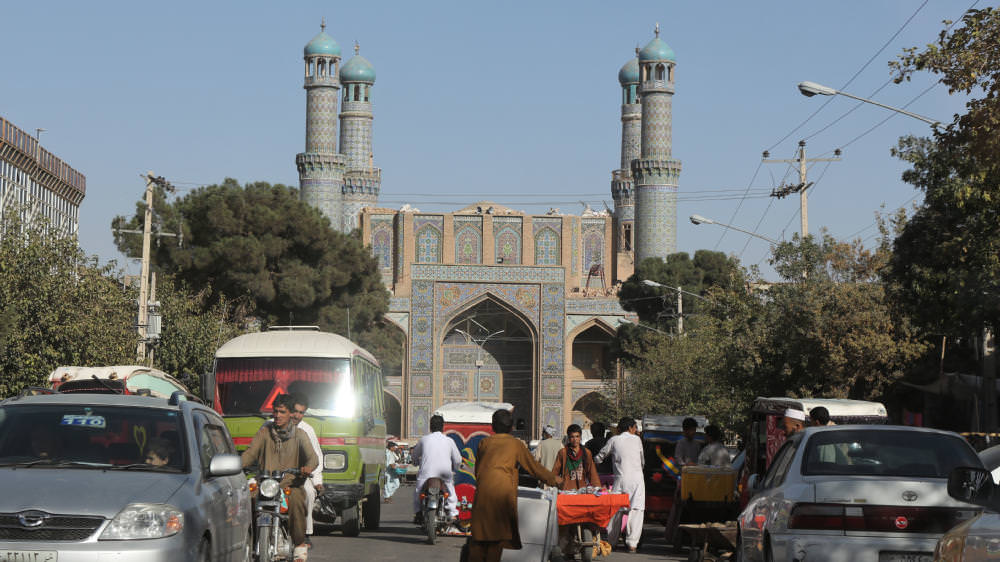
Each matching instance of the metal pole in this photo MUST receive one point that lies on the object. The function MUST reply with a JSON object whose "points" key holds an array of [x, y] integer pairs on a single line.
{"points": [[680, 311], [144, 269], [803, 203]]}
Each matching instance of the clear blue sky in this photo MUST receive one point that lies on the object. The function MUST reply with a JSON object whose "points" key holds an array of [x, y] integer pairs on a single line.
{"points": [[516, 102]]}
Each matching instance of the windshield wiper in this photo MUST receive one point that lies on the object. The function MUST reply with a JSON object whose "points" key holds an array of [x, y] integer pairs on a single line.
{"points": [[53, 462], [142, 466]]}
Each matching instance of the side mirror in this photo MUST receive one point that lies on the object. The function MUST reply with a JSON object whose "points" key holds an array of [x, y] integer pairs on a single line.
{"points": [[208, 388], [225, 465], [972, 485]]}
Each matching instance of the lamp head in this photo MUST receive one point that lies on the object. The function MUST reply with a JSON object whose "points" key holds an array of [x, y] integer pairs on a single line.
{"points": [[810, 89], [698, 219]]}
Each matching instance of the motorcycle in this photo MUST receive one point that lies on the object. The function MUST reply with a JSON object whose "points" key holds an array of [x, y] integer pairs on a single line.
{"points": [[433, 500], [272, 541]]}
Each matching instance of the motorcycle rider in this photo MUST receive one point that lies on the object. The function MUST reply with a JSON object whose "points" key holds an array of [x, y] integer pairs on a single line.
{"points": [[280, 446], [438, 457]]}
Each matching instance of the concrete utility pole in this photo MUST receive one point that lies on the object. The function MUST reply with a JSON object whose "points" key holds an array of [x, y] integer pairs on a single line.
{"points": [[147, 228], [803, 184], [680, 310]]}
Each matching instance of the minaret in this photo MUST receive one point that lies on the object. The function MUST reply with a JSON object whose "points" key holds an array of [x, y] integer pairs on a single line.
{"points": [[321, 168], [654, 172], [362, 180], [622, 189]]}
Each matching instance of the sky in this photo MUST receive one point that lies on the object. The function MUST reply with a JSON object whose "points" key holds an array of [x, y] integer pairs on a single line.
{"points": [[513, 102]]}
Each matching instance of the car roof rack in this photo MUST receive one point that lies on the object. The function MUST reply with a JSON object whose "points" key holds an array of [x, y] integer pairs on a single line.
{"points": [[177, 395], [293, 329]]}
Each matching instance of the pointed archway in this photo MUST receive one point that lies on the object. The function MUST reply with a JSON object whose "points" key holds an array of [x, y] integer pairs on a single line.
{"points": [[488, 354], [393, 415]]}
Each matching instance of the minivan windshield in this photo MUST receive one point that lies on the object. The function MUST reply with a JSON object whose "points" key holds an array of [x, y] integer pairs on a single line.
{"points": [[864, 452], [91, 436], [248, 386]]}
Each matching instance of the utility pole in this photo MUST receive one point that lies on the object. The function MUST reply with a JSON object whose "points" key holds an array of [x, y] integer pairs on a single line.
{"points": [[803, 184], [680, 310]]}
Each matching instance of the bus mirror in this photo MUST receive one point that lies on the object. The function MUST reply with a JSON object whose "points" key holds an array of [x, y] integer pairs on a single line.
{"points": [[208, 388]]}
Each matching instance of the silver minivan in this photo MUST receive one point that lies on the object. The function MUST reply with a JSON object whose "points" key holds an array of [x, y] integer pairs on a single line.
{"points": [[111, 477]]}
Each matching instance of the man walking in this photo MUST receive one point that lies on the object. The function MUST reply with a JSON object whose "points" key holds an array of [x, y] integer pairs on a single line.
{"points": [[315, 485], [548, 448], [687, 450], [280, 446], [494, 511], [626, 449], [438, 457]]}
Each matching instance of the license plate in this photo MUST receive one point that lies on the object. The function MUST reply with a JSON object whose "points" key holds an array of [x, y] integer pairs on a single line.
{"points": [[28, 556], [905, 557]]}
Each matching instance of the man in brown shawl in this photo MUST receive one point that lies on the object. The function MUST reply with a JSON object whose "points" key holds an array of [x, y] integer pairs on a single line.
{"points": [[494, 510]]}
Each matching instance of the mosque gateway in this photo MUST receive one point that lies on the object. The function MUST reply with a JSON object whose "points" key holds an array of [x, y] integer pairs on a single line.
{"points": [[496, 304]]}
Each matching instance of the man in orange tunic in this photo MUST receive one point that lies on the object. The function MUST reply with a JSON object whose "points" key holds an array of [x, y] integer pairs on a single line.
{"points": [[494, 511], [575, 464]]}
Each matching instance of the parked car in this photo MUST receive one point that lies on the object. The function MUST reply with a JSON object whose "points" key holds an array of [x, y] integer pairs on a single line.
{"points": [[119, 477], [979, 537], [856, 493]]}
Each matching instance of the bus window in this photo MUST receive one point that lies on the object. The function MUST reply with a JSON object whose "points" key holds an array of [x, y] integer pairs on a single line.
{"points": [[248, 386]]}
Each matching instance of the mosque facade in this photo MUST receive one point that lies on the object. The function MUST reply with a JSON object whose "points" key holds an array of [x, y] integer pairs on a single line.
{"points": [[497, 304]]}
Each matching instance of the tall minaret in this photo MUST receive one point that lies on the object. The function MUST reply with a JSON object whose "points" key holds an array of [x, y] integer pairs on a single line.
{"points": [[622, 190], [321, 168], [362, 180], [654, 172]]}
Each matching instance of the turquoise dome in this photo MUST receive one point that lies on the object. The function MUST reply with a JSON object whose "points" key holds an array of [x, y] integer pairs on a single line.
{"points": [[322, 44], [358, 69], [656, 50], [629, 74]]}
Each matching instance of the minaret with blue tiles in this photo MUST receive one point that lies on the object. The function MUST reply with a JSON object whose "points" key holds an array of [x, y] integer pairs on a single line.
{"points": [[654, 172], [622, 189], [321, 167], [362, 180]]}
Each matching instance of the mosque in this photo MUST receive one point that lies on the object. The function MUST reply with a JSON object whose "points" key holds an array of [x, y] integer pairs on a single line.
{"points": [[497, 304]]}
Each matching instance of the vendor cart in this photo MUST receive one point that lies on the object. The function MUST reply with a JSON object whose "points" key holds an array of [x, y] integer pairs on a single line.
{"points": [[582, 516], [707, 494], [711, 541]]}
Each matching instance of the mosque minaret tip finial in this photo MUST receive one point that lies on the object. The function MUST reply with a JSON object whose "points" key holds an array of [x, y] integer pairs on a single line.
{"points": [[657, 31], [322, 24], [357, 47]]}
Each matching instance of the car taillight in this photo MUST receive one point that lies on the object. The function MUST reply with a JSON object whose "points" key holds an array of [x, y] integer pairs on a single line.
{"points": [[879, 518]]}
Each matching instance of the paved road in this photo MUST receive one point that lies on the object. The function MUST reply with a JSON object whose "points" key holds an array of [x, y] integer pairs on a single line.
{"points": [[398, 539]]}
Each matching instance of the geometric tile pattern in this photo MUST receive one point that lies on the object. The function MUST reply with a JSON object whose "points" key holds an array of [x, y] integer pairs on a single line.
{"points": [[479, 273], [356, 134], [468, 240], [507, 239], [547, 248], [631, 133], [595, 307], [429, 238], [593, 244], [321, 120], [450, 297], [552, 321], [382, 243]]}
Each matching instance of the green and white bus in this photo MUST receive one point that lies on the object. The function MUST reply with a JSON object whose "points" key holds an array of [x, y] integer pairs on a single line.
{"points": [[343, 382]]}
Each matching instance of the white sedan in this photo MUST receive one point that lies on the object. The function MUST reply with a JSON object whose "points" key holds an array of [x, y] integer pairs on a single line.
{"points": [[856, 494]]}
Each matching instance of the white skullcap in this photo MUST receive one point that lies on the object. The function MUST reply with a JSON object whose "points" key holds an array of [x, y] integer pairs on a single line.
{"points": [[795, 414], [549, 430]]}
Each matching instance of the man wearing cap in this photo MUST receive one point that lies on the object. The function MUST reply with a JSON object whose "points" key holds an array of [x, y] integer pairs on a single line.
{"points": [[549, 447], [793, 422]]}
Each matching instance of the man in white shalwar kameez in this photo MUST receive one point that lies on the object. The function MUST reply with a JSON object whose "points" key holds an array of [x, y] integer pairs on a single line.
{"points": [[438, 457], [626, 450], [315, 484]]}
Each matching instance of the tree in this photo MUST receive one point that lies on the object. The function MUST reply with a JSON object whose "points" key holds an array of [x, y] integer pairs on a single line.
{"points": [[261, 244], [946, 264], [57, 306]]}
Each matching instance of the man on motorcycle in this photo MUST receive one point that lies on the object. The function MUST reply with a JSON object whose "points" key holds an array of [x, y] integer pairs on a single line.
{"points": [[300, 403], [438, 457], [280, 446]]}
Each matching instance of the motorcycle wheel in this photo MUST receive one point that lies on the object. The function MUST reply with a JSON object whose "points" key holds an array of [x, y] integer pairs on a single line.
{"points": [[264, 548], [372, 511], [350, 524], [587, 552], [430, 525]]}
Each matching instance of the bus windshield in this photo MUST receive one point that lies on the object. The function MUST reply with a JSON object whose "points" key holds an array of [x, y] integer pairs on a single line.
{"points": [[248, 386]]}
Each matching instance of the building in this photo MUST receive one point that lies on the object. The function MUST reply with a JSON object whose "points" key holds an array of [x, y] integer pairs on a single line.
{"points": [[36, 184], [497, 304]]}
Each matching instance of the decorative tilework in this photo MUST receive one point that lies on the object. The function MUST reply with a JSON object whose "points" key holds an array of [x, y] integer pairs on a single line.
{"points": [[420, 416], [399, 304], [593, 244], [547, 247], [382, 243], [551, 413], [468, 240], [552, 387], [488, 386], [552, 318], [454, 296], [507, 239], [429, 238], [594, 306], [575, 244], [398, 227], [583, 388], [420, 385], [456, 384], [421, 326], [321, 120], [356, 134], [488, 273]]}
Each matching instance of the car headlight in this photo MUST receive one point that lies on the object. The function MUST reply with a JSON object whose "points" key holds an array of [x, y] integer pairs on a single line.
{"points": [[144, 521], [335, 461], [269, 488]]}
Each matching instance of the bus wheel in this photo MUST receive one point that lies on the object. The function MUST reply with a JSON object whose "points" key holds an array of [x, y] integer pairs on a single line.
{"points": [[349, 522], [372, 510]]}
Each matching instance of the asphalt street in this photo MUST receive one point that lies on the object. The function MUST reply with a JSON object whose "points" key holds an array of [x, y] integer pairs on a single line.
{"points": [[399, 539]]}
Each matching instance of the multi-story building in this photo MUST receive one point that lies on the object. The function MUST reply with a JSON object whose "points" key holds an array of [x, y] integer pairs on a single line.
{"points": [[497, 304], [36, 183]]}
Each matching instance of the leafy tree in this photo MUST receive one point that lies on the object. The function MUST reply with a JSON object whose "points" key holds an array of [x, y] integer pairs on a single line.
{"points": [[57, 306], [946, 263], [261, 244]]}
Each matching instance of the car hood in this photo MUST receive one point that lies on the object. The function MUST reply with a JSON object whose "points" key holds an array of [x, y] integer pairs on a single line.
{"points": [[79, 491]]}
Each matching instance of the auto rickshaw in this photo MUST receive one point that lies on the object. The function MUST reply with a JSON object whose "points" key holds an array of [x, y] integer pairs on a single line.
{"points": [[660, 435]]}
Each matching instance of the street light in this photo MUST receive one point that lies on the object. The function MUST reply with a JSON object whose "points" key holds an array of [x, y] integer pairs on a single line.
{"points": [[698, 219], [810, 89], [481, 343]]}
